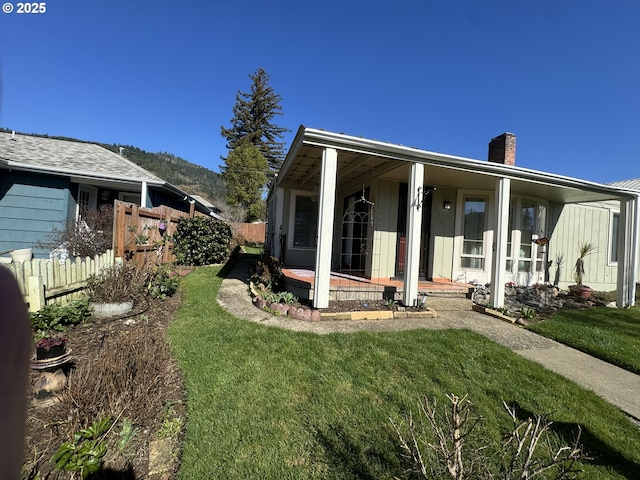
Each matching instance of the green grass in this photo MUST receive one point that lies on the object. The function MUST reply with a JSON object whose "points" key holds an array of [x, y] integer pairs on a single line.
{"points": [[276, 404], [611, 334], [250, 250]]}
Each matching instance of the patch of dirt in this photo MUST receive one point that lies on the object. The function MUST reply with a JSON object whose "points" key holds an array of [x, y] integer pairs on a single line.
{"points": [[121, 368]]}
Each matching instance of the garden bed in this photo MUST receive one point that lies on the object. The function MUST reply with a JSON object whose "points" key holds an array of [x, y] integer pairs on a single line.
{"points": [[121, 368]]}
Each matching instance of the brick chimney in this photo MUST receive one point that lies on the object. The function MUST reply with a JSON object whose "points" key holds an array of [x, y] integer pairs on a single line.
{"points": [[502, 149]]}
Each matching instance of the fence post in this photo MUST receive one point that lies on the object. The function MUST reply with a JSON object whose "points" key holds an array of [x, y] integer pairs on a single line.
{"points": [[35, 290]]}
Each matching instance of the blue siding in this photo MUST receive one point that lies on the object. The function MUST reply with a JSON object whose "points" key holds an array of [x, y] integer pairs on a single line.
{"points": [[30, 206]]}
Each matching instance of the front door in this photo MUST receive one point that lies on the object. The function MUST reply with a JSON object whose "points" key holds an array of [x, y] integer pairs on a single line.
{"points": [[425, 235]]}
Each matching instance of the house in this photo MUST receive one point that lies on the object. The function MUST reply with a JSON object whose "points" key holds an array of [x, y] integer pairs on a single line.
{"points": [[347, 207], [46, 182]]}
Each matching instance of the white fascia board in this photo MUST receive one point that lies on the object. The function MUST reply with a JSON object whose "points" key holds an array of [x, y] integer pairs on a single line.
{"points": [[321, 138]]}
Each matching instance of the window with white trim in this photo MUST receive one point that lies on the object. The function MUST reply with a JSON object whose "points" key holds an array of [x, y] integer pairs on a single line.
{"points": [[305, 222], [613, 237], [473, 228]]}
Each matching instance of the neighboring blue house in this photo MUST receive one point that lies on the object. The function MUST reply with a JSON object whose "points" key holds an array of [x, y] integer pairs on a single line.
{"points": [[46, 182]]}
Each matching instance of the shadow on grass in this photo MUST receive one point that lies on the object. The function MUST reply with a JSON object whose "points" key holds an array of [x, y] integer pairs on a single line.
{"points": [[596, 451], [350, 458]]}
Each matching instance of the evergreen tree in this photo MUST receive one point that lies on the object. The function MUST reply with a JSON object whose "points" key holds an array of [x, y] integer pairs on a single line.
{"points": [[245, 176], [253, 114]]}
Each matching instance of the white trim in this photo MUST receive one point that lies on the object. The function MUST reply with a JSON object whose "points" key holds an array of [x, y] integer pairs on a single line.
{"points": [[92, 201], [612, 213], [415, 204], [326, 212], [501, 226]]}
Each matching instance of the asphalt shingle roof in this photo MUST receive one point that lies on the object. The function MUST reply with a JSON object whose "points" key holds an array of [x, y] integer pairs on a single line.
{"points": [[70, 158]]}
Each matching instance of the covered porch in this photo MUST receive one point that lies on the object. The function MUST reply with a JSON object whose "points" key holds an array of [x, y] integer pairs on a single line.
{"points": [[301, 282]]}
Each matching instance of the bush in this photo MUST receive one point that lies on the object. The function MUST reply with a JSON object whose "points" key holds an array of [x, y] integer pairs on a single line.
{"points": [[268, 272], [88, 238], [55, 318], [162, 282], [201, 241], [122, 282]]}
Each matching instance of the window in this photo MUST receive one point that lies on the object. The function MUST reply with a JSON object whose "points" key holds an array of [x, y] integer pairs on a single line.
{"points": [[613, 246], [473, 230], [305, 223], [527, 227]]}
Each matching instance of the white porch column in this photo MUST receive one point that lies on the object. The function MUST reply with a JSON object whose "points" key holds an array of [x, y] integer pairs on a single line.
{"points": [[277, 226], [627, 252], [500, 235], [143, 195], [414, 227], [325, 227]]}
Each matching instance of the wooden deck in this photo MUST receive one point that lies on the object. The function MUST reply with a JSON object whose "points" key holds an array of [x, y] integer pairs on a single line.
{"points": [[300, 282]]}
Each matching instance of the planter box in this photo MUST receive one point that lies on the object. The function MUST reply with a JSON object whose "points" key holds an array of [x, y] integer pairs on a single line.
{"points": [[111, 309]]}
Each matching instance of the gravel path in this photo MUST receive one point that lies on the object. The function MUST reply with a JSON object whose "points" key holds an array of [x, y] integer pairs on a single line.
{"points": [[614, 384]]}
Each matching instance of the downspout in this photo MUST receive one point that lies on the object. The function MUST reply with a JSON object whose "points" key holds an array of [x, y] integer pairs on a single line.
{"points": [[143, 195]]}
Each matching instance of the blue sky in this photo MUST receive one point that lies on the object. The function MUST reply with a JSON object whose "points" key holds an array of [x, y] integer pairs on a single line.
{"points": [[445, 76]]}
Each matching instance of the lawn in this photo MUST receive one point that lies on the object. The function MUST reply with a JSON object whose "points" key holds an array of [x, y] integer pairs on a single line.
{"points": [[610, 334], [276, 404]]}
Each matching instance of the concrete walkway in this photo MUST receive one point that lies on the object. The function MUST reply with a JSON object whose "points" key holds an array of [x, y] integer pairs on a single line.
{"points": [[617, 386]]}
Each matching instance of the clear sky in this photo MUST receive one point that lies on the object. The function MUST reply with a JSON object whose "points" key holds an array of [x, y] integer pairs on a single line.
{"points": [[440, 75]]}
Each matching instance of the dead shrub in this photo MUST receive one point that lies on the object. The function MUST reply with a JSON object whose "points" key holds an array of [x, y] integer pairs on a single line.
{"points": [[122, 282], [124, 378]]}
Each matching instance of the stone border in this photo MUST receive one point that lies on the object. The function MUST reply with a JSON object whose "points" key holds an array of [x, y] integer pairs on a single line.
{"points": [[312, 315]]}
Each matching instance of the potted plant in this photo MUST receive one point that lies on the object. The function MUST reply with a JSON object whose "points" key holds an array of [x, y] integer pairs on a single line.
{"points": [[51, 347], [115, 289], [580, 290]]}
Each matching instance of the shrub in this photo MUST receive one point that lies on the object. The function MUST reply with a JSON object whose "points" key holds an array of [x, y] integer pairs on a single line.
{"points": [[268, 272], [448, 444], [89, 237], [55, 318], [201, 241], [122, 282], [162, 282]]}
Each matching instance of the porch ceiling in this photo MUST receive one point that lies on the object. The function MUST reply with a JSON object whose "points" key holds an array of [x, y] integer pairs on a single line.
{"points": [[359, 163]]}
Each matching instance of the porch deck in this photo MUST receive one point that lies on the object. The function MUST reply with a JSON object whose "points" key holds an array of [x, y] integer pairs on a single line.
{"points": [[300, 281]]}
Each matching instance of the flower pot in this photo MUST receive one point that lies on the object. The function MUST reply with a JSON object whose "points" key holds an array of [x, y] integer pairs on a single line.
{"points": [[111, 309], [21, 255], [580, 291], [54, 351]]}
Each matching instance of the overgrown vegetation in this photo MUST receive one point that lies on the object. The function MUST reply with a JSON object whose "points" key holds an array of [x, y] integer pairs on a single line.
{"points": [[54, 318], [449, 443], [121, 282], [201, 241], [267, 274], [89, 237], [285, 404]]}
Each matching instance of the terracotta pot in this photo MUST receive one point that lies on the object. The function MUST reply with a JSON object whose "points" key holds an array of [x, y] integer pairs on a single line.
{"points": [[580, 291]]}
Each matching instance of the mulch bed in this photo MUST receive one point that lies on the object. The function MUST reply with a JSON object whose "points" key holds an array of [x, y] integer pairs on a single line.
{"points": [[139, 381]]}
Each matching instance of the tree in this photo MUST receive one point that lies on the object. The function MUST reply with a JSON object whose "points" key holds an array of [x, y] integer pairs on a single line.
{"points": [[252, 120], [245, 176]]}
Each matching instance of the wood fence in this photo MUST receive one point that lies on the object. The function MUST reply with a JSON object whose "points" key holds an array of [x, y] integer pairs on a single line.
{"points": [[251, 232], [51, 281], [139, 233]]}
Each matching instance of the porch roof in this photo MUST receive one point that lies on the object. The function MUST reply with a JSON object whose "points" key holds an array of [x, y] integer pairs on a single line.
{"points": [[360, 160]]}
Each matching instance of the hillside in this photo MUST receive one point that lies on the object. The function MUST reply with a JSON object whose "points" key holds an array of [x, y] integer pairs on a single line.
{"points": [[185, 175]]}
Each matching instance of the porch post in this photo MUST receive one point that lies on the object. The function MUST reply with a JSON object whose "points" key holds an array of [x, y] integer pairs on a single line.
{"points": [[325, 227], [143, 195], [277, 225], [414, 226], [627, 252], [500, 233]]}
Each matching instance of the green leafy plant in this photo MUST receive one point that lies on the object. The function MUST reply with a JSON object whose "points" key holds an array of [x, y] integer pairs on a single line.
{"points": [[122, 282], [280, 297], [127, 433], [162, 281], [85, 452], [390, 304], [527, 313], [584, 249], [268, 272], [54, 318], [201, 241]]}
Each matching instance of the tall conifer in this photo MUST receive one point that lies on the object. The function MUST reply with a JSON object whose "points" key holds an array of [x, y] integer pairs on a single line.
{"points": [[253, 114]]}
